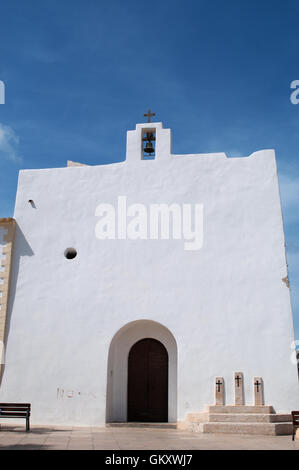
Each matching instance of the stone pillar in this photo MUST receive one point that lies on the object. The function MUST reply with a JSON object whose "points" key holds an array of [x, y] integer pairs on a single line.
{"points": [[219, 391], [7, 234], [239, 389], [258, 391]]}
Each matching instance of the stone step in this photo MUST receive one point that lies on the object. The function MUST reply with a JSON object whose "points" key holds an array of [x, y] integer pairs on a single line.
{"points": [[142, 425], [248, 418], [271, 429], [215, 409]]}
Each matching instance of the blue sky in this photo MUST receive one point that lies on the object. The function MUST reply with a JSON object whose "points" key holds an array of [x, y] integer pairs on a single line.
{"points": [[79, 74]]}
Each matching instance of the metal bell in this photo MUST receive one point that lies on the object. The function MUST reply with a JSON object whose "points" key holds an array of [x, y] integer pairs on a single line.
{"points": [[149, 148]]}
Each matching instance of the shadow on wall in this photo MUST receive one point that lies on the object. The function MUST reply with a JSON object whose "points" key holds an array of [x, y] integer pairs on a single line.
{"points": [[21, 248]]}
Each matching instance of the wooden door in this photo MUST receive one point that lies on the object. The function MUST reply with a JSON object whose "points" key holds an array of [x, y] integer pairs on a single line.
{"points": [[148, 382]]}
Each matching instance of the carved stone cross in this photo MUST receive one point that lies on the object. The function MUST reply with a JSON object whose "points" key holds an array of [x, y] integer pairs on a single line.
{"points": [[239, 391], [257, 384], [219, 391], [258, 391], [238, 379]]}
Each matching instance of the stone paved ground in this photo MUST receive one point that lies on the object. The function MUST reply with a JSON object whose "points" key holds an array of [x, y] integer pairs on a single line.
{"points": [[89, 438]]}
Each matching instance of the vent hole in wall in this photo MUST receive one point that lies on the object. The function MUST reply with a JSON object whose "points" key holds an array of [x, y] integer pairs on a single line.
{"points": [[70, 253]]}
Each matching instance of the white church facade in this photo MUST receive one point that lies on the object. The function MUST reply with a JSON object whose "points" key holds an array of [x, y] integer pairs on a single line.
{"points": [[148, 289]]}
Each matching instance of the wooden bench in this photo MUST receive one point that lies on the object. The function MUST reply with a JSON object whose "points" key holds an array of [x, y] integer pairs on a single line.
{"points": [[295, 419], [16, 410]]}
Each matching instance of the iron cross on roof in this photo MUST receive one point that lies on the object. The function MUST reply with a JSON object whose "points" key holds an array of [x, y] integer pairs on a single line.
{"points": [[148, 115]]}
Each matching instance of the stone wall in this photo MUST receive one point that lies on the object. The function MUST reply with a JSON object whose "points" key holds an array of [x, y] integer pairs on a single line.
{"points": [[7, 233]]}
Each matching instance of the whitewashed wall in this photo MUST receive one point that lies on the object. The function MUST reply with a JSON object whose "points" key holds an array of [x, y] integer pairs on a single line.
{"points": [[225, 305]]}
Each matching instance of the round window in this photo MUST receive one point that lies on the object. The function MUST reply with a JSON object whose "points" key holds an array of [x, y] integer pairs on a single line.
{"points": [[70, 253]]}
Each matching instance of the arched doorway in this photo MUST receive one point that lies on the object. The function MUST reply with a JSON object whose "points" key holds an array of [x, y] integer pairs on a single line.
{"points": [[148, 381], [117, 370]]}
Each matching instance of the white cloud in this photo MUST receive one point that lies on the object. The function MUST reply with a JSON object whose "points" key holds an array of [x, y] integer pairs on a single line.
{"points": [[9, 143]]}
